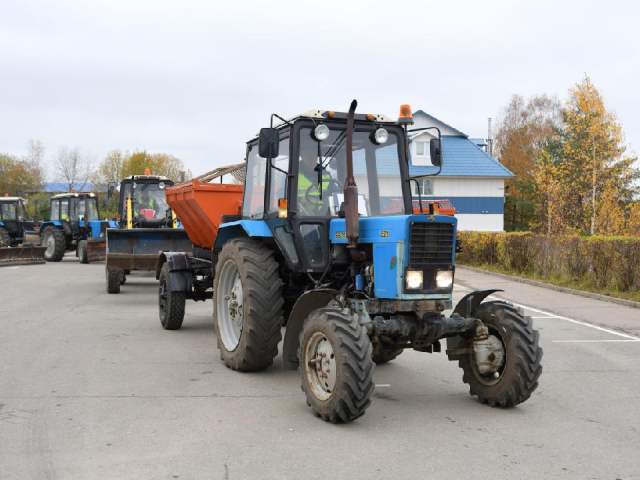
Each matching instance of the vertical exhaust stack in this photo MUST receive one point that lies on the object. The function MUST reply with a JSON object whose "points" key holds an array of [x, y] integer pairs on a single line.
{"points": [[350, 187]]}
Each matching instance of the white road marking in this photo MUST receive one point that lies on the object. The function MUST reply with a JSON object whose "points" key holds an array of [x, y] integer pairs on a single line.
{"points": [[572, 320], [382, 385], [14, 268], [594, 341], [547, 316]]}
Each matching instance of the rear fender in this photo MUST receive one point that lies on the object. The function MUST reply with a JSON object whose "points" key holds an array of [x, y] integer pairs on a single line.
{"points": [[180, 271], [465, 308], [306, 304]]}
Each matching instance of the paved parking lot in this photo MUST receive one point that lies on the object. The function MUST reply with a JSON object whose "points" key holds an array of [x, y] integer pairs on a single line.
{"points": [[92, 387]]}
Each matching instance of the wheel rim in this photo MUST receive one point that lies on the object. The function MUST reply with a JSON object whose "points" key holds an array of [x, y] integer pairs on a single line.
{"points": [[230, 306], [320, 366], [50, 243], [492, 378], [162, 298]]}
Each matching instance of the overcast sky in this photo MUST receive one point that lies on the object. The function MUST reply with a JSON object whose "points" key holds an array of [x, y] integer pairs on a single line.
{"points": [[197, 79]]}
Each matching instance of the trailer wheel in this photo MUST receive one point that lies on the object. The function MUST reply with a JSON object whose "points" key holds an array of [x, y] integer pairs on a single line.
{"points": [[336, 365], [247, 305], [517, 377], [171, 304], [113, 280], [53, 238], [5, 239], [123, 277], [385, 354], [82, 251]]}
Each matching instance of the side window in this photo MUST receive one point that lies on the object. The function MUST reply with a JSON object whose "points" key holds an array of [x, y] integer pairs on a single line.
{"points": [[253, 201], [278, 179], [64, 209], [55, 210]]}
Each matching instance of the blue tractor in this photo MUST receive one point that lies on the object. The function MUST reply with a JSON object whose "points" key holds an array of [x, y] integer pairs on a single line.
{"points": [[330, 246], [74, 219]]}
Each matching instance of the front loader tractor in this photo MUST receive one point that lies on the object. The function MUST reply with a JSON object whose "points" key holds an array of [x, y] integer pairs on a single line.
{"points": [[328, 243]]}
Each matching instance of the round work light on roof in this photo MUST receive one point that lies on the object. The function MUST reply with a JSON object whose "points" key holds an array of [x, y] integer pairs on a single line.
{"points": [[381, 136], [321, 132], [161, 185]]}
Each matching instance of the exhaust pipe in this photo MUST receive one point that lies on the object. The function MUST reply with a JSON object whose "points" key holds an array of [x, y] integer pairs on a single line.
{"points": [[350, 187]]}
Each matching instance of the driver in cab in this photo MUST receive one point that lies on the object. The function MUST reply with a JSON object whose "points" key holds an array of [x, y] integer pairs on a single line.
{"points": [[146, 203], [312, 194]]}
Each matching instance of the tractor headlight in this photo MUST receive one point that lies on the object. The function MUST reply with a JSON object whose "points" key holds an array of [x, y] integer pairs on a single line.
{"points": [[381, 136], [444, 279], [321, 132], [413, 280]]}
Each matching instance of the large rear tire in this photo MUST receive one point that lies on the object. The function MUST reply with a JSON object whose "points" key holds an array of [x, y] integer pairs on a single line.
{"points": [[5, 239], [247, 305], [336, 365], [113, 280], [516, 380], [170, 304], [53, 238], [82, 251]]}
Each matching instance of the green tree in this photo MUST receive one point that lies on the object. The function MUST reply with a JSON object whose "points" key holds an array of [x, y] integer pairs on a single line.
{"points": [[588, 171]]}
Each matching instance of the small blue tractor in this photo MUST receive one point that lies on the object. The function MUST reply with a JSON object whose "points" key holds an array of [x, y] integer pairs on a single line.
{"points": [[74, 220], [329, 245]]}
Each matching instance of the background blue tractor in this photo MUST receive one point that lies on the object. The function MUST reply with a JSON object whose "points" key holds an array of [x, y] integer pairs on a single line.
{"points": [[74, 219], [350, 268]]}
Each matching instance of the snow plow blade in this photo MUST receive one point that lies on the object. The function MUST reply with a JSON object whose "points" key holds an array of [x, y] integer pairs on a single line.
{"points": [[25, 255], [96, 249], [139, 248]]}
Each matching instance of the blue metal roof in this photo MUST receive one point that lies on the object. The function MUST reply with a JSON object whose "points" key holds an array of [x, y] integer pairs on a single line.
{"points": [[53, 187], [462, 158]]}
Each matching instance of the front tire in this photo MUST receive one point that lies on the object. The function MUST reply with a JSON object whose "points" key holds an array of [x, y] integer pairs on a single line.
{"points": [[247, 305], [171, 304], [113, 280], [336, 365], [82, 251], [53, 238], [518, 377]]}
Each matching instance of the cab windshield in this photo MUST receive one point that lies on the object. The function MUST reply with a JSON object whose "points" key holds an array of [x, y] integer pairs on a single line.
{"points": [[148, 199], [322, 172], [85, 209], [8, 211]]}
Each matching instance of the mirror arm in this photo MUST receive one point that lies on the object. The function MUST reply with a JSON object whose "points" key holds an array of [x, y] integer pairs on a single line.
{"points": [[279, 117]]}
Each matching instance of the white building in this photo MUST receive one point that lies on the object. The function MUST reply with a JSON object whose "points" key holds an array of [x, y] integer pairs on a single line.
{"points": [[471, 179]]}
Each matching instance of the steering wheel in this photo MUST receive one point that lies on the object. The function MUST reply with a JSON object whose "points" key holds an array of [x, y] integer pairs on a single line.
{"points": [[329, 190]]}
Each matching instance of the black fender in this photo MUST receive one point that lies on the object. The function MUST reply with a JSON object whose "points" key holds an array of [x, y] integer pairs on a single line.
{"points": [[307, 303], [465, 309], [179, 268]]}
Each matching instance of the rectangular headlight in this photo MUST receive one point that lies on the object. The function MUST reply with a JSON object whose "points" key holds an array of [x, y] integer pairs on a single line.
{"points": [[444, 279], [413, 280]]}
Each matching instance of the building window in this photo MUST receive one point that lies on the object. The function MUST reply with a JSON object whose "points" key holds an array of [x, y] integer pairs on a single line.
{"points": [[426, 186], [421, 148]]}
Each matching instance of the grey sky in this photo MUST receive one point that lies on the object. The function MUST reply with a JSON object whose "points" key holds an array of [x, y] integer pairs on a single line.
{"points": [[198, 78]]}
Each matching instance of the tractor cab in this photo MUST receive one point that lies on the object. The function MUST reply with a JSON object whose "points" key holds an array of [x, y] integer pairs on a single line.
{"points": [[142, 202], [13, 220], [330, 213], [74, 211]]}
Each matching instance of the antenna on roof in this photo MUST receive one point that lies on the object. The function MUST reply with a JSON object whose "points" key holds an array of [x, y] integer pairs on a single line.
{"points": [[489, 139]]}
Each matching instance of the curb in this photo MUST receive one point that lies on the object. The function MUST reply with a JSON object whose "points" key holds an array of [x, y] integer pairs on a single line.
{"points": [[581, 293]]}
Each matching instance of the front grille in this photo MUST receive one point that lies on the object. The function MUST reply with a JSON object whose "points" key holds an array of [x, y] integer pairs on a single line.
{"points": [[430, 243]]}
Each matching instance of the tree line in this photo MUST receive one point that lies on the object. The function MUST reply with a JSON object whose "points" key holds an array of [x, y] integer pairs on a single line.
{"points": [[574, 173], [26, 174]]}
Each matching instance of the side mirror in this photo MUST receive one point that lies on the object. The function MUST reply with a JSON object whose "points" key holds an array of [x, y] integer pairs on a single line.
{"points": [[110, 190], [269, 143], [436, 152]]}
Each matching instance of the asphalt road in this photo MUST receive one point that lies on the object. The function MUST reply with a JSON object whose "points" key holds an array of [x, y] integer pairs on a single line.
{"points": [[91, 386]]}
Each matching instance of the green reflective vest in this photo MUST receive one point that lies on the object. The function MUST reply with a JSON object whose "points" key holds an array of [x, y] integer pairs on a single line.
{"points": [[309, 193]]}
